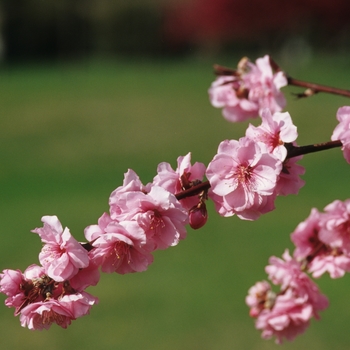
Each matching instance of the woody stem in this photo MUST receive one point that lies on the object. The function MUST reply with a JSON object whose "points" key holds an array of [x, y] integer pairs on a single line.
{"points": [[317, 87], [294, 151]]}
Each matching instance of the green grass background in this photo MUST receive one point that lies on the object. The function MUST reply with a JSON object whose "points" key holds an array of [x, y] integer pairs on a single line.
{"points": [[68, 133]]}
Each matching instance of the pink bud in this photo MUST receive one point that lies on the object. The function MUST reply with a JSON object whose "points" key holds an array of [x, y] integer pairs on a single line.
{"points": [[198, 216]]}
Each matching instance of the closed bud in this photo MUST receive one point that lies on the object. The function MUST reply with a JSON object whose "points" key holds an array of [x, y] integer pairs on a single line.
{"points": [[198, 215]]}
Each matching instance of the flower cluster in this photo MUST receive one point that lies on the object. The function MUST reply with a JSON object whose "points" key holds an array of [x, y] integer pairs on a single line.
{"points": [[53, 292], [244, 179], [141, 220], [244, 92], [287, 313], [322, 245], [322, 241], [247, 175], [144, 218]]}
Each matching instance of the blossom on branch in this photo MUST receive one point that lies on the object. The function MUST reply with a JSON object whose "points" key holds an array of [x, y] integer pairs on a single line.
{"points": [[62, 255], [40, 315], [118, 247], [153, 208], [289, 181], [180, 179], [335, 225], [40, 301], [322, 243], [246, 91], [275, 130], [287, 313], [260, 297], [160, 215], [243, 177], [131, 183]]}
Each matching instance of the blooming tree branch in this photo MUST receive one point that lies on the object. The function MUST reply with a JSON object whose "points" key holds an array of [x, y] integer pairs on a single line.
{"points": [[244, 178]]}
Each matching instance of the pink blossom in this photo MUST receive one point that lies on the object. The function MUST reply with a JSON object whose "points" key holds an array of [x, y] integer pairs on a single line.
{"points": [[289, 181], [10, 281], [305, 237], [10, 284], [289, 317], [86, 277], [243, 177], [131, 183], [40, 315], [288, 313], [79, 304], [342, 130], [314, 251], [229, 93], [288, 274], [33, 272], [171, 180], [93, 232], [275, 130], [336, 264], [22, 288], [266, 85], [158, 213], [248, 90], [118, 247], [335, 225], [62, 256], [40, 300], [259, 298]]}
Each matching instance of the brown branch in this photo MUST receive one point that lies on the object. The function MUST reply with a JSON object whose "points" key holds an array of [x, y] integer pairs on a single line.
{"points": [[315, 88], [193, 190], [294, 151]]}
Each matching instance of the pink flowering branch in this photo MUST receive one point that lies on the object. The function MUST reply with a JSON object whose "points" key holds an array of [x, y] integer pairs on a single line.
{"points": [[244, 178], [236, 74]]}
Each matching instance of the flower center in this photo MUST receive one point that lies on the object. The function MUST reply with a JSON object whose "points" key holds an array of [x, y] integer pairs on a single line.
{"points": [[121, 251], [51, 316], [157, 222], [244, 173]]}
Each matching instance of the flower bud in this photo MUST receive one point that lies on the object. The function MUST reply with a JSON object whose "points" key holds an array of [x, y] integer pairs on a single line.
{"points": [[198, 215]]}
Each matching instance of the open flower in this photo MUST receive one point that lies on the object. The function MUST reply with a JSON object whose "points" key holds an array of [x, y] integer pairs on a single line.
{"points": [[275, 130], [171, 180], [42, 314], [243, 177], [62, 255], [131, 183], [118, 247], [248, 90], [158, 213]]}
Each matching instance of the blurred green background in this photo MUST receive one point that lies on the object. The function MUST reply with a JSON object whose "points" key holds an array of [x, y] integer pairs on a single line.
{"points": [[70, 129]]}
